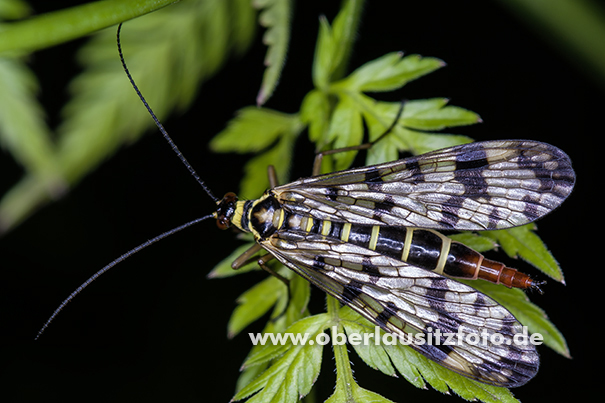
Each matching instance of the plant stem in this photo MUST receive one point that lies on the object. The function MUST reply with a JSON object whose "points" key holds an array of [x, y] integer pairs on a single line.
{"points": [[50, 29]]}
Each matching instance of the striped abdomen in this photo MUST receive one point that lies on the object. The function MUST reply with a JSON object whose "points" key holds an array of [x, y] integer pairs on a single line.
{"points": [[423, 248]]}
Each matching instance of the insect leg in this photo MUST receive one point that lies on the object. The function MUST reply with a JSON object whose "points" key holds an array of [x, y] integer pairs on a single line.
{"points": [[249, 256], [273, 182], [319, 156], [262, 262], [246, 257]]}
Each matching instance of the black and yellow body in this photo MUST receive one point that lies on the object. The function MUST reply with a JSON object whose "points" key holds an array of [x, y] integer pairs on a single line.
{"points": [[369, 237], [423, 248]]}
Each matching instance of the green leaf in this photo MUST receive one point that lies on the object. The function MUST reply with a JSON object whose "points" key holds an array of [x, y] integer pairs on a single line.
{"points": [[315, 113], [223, 268], [292, 375], [353, 393], [259, 357], [243, 25], [322, 61], [300, 293], [346, 129], [371, 353], [254, 303], [409, 363], [347, 390], [422, 142], [276, 18], [334, 44], [475, 241], [255, 129], [263, 354], [168, 59], [403, 360], [22, 128], [433, 114], [524, 243], [14, 9], [380, 115], [416, 368], [255, 180], [344, 32], [252, 130], [389, 72]]}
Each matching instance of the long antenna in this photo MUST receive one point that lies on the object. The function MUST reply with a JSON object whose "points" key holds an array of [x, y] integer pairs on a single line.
{"points": [[159, 124], [112, 264], [150, 241]]}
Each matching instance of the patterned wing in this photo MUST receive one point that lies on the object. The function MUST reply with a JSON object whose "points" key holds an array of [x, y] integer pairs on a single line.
{"points": [[407, 300], [477, 186]]}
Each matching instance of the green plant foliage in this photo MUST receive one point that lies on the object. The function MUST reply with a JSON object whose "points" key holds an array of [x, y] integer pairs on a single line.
{"points": [[22, 128], [347, 389], [61, 26], [224, 269], [524, 243], [13, 9], [413, 366], [336, 113], [276, 18], [293, 368], [476, 241], [260, 129], [187, 43], [573, 27], [170, 52], [254, 303]]}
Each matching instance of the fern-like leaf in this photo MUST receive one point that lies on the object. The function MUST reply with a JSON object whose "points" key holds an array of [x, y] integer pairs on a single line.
{"points": [[104, 113], [275, 16]]}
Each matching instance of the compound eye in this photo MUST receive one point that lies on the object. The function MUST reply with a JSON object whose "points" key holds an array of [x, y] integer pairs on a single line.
{"points": [[223, 223], [225, 210]]}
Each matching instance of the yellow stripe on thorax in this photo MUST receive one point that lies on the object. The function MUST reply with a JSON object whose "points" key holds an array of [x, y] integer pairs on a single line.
{"points": [[236, 219]]}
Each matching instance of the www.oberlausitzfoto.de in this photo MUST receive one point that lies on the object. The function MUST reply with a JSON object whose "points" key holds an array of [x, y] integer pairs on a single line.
{"points": [[432, 337]]}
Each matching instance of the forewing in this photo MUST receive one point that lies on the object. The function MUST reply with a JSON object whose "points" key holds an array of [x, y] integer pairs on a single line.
{"points": [[409, 301], [476, 186]]}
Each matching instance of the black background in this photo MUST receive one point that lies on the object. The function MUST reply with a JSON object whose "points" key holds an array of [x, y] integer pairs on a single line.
{"points": [[154, 329]]}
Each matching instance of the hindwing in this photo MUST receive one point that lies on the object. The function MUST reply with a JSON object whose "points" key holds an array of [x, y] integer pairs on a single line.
{"points": [[408, 300]]}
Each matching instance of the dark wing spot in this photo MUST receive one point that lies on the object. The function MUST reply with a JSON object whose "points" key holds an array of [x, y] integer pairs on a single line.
{"points": [[389, 311], [373, 175], [352, 291]]}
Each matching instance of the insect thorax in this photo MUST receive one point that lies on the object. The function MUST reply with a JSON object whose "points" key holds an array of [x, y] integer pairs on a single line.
{"points": [[260, 217]]}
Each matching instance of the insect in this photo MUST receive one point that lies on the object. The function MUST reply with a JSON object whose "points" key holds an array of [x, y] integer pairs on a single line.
{"points": [[368, 237]]}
